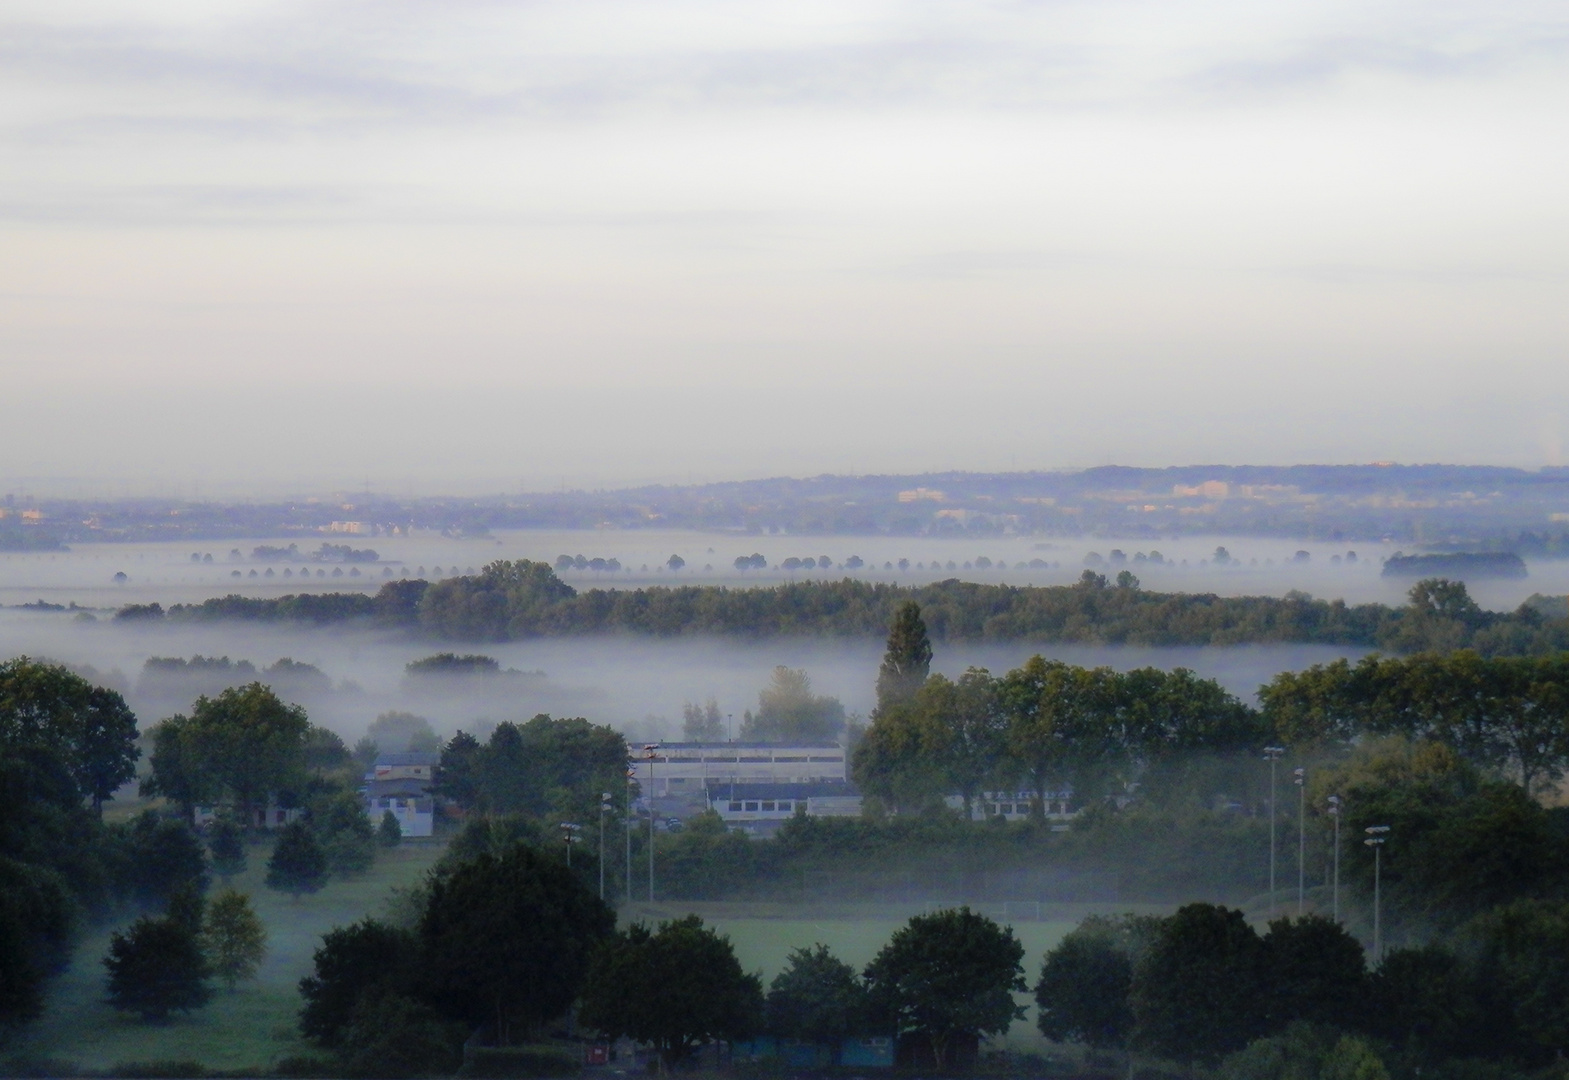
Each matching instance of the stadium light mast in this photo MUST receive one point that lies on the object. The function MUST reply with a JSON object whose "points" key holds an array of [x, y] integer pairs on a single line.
{"points": [[1301, 781], [1334, 812], [1376, 835], [1272, 755], [651, 752], [631, 819], [604, 809]]}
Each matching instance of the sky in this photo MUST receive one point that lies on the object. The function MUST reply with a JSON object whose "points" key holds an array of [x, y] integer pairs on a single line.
{"points": [[481, 245]]}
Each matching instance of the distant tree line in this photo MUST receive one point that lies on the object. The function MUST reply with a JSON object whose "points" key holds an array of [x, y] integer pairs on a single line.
{"points": [[523, 599]]}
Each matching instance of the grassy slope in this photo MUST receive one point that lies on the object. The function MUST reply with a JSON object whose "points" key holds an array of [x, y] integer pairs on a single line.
{"points": [[252, 1027]]}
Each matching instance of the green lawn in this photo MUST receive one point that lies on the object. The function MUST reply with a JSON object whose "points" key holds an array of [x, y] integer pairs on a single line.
{"points": [[251, 1028]]}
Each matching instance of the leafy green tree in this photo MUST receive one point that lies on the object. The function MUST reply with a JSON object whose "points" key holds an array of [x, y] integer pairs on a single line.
{"points": [[788, 712], [88, 728], [949, 974], [339, 821], [244, 743], [324, 754], [507, 939], [163, 856], [964, 728], [226, 845], [389, 834], [299, 862], [457, 776], [156, 967], [1057, 729], [1430, 1007], [817, 998], [397, 1035], [675, 988], [506, 599], [354, 962], [908, 658], [234, 940], [1316, 972], [1521, 952], [1198, 992], [893, 763], [1086, 981]]}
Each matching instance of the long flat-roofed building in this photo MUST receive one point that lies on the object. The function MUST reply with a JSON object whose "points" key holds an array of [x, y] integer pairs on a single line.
{"points": [[691, 769]]}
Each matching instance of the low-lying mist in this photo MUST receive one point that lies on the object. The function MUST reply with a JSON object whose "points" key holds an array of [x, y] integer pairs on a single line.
{"points": [[637, 685]]}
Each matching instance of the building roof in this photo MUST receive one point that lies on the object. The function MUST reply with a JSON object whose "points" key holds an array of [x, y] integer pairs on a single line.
{"points": [[416, 758]]}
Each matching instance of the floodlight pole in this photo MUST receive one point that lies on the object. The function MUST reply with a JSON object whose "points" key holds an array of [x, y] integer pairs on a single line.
{"points": [[1376, 835], [650, 750], [631, 775], [1301, 782], [1272, 755], [604, 808], [1334, 812]]}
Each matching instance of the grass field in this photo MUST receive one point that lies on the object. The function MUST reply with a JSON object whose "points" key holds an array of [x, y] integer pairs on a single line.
{"points": [[250, 1028]]}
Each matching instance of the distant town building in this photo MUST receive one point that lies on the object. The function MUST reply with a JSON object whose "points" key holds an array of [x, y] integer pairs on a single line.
{"points": [[917, 494], [400, 784], [763, 807], [1209, 489], [353, 528]]}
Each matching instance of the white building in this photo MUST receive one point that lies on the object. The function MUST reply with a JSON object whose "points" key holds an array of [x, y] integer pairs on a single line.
{"points": [[696, 769]]}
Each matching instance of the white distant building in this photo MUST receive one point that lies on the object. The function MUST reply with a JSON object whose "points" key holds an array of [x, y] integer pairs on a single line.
{"points": [[400, 784], [695, 769]]}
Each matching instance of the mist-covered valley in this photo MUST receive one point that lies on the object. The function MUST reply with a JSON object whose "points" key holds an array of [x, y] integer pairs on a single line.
{"points": [[638, 685]]}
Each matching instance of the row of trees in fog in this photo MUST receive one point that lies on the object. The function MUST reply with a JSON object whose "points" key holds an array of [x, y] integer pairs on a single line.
{"points": [[1049, 727], [522, 599]]}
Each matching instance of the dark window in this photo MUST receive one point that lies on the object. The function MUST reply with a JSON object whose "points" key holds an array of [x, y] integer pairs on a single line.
{"points": [[751, 806], [768, 806], [735, 807]]}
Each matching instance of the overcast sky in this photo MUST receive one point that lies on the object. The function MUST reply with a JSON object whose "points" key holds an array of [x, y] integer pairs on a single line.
{"points": [[467, 245]]}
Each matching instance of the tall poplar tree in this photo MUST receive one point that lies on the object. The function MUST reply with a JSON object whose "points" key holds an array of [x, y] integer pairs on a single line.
{"points": [[908, 660]]}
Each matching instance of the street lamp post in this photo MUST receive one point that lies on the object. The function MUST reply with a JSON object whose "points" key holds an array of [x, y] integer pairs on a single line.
{"points": [[1376, 835], [604, 809], [650, 751], [1301, 782], [1272, 755], [1334, 812]]}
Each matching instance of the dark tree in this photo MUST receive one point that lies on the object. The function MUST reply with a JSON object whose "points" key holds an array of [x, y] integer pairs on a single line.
{"points": [[164, 856], [676, 988], [1427, 1003], [1198, 993], [457, 776], [156, 967], [1315, 972], [389, 834], [817, 998], [396, 1035], [299, 862], [1085, 982], [354, 962], [226, 843], [21, 969], [908, 659], [339, 820], [88, 728], [953, 973], [508, 938]]}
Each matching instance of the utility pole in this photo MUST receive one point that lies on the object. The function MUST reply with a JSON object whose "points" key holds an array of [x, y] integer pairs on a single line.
{"points": [[1301, 782], [1334, 812], [1272, 755], [650, 750]]}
